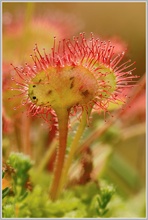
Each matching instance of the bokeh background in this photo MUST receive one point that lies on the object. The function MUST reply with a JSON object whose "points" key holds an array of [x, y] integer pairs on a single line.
{"points": [[122, 19], [123, 145]]}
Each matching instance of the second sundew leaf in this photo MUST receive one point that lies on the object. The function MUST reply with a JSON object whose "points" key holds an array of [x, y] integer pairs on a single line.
{"points": [[108, 76]]}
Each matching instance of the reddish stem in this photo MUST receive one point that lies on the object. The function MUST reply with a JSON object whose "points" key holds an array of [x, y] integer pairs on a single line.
{"points": [[62, 115]]}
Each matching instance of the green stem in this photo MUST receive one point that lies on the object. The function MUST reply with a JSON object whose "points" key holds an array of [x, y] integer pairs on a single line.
{"points": [[63, 116], [47, 156], [73, 149]]}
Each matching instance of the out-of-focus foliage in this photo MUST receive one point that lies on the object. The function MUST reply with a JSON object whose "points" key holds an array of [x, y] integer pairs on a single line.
{"points": [[95, 199]]}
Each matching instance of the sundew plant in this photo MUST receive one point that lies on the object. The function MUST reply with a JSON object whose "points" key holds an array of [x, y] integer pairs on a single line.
{"points": [[79, 76], [63, 87]]}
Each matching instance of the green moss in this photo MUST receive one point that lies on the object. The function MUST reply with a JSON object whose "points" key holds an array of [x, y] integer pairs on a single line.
{"points": [[92, 200]]}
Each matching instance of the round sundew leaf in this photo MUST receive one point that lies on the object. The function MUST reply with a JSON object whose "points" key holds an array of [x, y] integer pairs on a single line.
{"points": [[77, 73], [63, 87]]}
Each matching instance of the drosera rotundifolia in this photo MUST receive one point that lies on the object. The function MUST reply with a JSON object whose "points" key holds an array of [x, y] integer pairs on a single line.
{"points": [[78, 75]]}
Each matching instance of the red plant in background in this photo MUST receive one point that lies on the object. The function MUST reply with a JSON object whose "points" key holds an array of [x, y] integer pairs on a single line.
{"points": [[6, 123], [25, 33], [136, 113], [62, 24]]}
